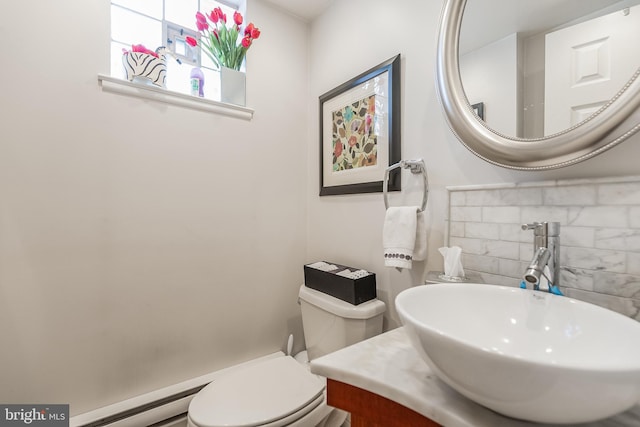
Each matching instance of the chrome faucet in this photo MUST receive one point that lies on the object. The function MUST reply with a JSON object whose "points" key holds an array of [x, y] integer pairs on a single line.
{"points": [[546, 252]]}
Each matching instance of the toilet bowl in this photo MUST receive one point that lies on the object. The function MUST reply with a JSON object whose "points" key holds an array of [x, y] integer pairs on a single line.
{"points": [[276, 392], [281, 391]]}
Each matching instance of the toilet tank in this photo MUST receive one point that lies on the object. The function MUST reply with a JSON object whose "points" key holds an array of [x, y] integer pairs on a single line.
{"points": [[331, 324]]}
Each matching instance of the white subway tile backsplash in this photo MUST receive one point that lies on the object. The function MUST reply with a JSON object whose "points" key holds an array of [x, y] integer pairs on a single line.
{"points": [[482, 198], [619, 194], [622, 285], [512, 268], [599, 236], [482, 230], [456, 229], [505, 197], [496, 279], [598, 216], [624, 239], [578, 236], [545, 213], [492, 248], [633, 263], [593, 259], [506, 214], [634, 217], [500, 249], [457, 198], [482, 264], [576, 278], [513, 233], [469, 246], [526, 251], [462, 213], [570, 195]]}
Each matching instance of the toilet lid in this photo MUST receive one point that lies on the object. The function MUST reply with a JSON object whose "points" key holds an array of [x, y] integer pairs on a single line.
{"points": [[256, 395]]}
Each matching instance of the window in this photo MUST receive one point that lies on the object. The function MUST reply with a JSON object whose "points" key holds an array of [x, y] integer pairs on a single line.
{"points": [[155, 23]]}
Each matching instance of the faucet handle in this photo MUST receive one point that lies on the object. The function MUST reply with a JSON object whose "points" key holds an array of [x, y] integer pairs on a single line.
{"points": [[543, 228], [532, 226]]}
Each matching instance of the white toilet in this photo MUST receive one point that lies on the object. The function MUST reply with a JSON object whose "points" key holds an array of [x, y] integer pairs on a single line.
{"points": [[281, 391]]}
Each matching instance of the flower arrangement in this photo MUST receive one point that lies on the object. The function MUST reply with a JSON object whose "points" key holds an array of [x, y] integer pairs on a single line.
{"points": [[221, 43]]}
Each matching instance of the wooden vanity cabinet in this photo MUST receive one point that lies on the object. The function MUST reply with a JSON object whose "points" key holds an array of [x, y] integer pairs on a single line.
{"points": [[371, 410]]}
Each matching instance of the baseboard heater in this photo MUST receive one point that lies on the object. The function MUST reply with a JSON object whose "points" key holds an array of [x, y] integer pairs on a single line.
{"points": [[157, 413], [160, 408]]}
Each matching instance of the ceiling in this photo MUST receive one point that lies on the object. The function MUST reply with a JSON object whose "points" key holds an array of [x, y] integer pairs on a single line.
{"points": [[521, 12], [303, 9]]}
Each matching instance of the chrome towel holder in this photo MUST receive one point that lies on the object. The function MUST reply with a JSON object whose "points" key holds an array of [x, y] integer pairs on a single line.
{"points": [[416, 166]]}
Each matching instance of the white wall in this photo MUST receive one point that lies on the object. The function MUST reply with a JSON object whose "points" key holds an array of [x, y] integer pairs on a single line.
{"points": [[348, 229], [490, 75], [533, 86], [141, 244]]}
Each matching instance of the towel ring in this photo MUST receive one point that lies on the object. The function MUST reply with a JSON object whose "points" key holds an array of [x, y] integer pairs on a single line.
{"points": [[416, 167]]}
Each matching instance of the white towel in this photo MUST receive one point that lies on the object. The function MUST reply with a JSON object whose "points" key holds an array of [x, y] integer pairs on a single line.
{"points": [[404, 237], [420, 249]]}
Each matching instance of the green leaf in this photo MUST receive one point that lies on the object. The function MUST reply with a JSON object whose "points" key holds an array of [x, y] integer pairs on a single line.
{"points": [[226, 49]]}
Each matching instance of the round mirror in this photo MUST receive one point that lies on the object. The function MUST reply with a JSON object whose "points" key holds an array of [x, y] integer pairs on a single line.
{"points": [[540, 84]]}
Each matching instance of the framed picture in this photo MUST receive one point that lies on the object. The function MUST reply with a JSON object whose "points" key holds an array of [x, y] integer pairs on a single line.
{"points": [[360, 132], [479, 109]]}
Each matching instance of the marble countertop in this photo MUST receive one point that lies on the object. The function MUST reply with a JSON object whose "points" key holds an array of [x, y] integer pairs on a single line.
{"points": [[388, 365]]}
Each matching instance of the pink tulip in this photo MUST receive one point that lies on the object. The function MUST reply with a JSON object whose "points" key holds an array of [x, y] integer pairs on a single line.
{"points": [[237, 18], [213, 16], [202, 25], [214, 21], [219, 15], [252, 31]]}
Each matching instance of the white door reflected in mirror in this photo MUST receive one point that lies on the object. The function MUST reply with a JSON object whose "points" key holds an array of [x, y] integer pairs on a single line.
{"points": [[541, 67], [586, 63]]}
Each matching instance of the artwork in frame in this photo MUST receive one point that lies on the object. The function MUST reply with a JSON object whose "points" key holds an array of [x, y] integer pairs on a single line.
{"points": [[479, 109], [360, 132]]}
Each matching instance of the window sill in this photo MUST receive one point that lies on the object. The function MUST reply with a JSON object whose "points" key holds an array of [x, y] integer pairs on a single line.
{"points": [[124, 87]]}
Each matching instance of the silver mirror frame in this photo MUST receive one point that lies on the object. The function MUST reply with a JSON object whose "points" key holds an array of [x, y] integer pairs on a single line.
{"points": [[610, 125]]}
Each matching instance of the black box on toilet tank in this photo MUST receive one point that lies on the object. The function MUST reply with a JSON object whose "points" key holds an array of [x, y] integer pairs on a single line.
{"points": [[355, 287]]}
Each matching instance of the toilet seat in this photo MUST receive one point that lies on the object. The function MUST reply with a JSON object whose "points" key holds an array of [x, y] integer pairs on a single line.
{"points": [[272, 393]]}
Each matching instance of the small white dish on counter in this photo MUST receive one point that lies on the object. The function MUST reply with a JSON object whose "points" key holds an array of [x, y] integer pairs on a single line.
{"points": [[526, 354]]}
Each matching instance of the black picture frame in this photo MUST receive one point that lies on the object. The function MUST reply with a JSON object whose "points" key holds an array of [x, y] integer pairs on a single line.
{"points": [[375, 97], [479, 109]]}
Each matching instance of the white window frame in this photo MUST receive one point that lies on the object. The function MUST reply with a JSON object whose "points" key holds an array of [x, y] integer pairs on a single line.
{"points": [[172, 34]]}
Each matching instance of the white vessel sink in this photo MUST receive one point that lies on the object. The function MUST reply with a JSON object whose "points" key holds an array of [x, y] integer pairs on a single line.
{"points": [[526, 354]]}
